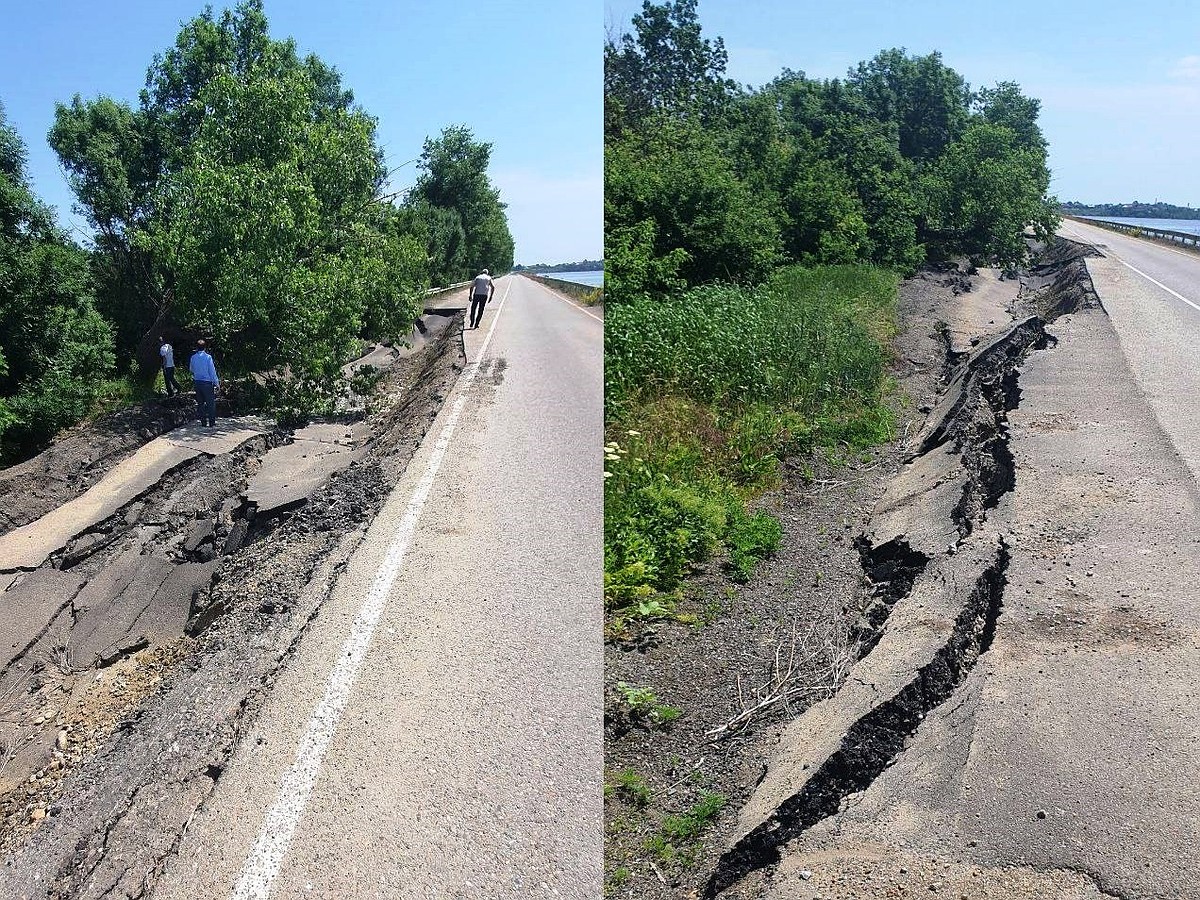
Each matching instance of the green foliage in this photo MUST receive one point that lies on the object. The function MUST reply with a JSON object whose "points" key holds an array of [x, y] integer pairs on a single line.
{"points": [[1134, 210], [983, 185], [716, 359], [56, 351], [616, 878], [269, 238], [644, 707], [808, 338], [751, 539], [636, 270], [241, 199], [467, 230], [707, 393], [676, 176], [687, 827], [816, 172], [926, 101], [665, 66], [630, 787], [675, 844]]}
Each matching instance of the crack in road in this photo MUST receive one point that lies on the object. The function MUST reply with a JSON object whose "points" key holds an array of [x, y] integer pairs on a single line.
{"points": [[973, 418]]}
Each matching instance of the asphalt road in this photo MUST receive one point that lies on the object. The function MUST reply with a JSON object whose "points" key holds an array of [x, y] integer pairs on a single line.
{"points": [[437, 733], [1063, 766], [1152, 294]]}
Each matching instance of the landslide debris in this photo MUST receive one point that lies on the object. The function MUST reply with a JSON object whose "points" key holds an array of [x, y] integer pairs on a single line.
{"points": [[140, 649], [933, 615]]}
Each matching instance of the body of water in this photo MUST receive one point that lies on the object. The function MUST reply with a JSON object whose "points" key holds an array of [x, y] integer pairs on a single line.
{"points": [[1187, 226], [593, 279]]}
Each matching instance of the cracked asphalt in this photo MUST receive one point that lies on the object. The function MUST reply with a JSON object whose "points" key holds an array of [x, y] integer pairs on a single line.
{"points": [[1062, 767], [466, 761]]}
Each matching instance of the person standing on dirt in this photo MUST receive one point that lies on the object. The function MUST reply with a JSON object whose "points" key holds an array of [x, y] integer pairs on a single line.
{"points": [[167, 353], [204, 377], [481, 292]]}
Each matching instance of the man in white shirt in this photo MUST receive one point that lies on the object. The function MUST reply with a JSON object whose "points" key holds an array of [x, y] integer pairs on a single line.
{"points": [[167, 353], [481, 292]]}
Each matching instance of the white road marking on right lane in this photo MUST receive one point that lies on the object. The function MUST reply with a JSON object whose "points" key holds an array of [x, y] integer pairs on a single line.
{"points": [[575, 306], [1174, 294], [275, 836]]}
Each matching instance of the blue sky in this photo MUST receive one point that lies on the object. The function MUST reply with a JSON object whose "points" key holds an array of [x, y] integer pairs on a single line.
{"points": [[1119, 82], [526, 77]]}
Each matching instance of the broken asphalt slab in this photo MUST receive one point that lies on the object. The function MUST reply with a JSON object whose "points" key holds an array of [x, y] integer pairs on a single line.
{"points": [[31, 545], [291, 472], [27, 608]]}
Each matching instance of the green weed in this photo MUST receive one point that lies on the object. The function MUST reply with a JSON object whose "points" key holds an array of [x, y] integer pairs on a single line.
{"points": [[644, 707], [676, 841], [631, 787]]}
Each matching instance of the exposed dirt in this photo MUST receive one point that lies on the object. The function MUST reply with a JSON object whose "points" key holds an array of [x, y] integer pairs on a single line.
{"points": [[113, 742], [970, 423], [816, 586]]}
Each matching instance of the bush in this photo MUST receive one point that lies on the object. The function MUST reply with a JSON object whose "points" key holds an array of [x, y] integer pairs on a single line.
{"points": [[706, 394]]}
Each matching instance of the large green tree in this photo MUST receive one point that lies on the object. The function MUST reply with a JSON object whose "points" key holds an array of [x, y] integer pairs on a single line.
{"points": [[55, 348], [466, 227], [241, 199], [665, 66]]}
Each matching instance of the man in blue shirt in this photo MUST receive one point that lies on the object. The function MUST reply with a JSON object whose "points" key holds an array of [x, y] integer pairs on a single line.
{"points": [[204, 377]]}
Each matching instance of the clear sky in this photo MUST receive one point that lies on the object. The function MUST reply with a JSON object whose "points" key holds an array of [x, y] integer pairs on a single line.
{"points": [[1119, 81], [524, 76]]}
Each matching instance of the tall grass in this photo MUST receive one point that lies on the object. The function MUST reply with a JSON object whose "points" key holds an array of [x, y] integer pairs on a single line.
{"points": [[805, 340], [706, 392]]}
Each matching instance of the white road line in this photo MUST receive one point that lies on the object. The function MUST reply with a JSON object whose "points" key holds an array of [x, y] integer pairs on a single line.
{"points": [[1174, 294], [266, 857], [574, 306], [1159, 244]]}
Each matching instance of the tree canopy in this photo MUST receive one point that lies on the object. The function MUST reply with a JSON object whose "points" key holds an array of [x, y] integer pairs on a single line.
{"points": [[898, 163], [242, 199], [466, 226], [55, 348]]}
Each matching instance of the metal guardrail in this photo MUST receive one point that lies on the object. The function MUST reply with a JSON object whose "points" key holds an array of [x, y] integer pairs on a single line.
{"points": [[1162, 234], [442, 290]]}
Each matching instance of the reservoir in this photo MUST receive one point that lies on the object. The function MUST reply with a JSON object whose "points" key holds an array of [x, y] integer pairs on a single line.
{"points": [[592, 279]]}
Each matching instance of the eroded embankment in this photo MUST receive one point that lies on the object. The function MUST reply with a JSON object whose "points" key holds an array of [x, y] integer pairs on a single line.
{"points": [[939, 573], [144, 726]]}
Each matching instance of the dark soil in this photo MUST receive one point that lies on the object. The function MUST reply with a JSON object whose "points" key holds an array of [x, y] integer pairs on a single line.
{"points": [[815, 585]]}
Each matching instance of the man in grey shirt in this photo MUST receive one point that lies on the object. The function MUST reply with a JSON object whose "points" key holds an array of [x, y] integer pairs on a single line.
{"points": [[481, 292], [167, 353]]}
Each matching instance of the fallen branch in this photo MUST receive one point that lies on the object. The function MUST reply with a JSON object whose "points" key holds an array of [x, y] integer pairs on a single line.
{"points": [[808, 666]]}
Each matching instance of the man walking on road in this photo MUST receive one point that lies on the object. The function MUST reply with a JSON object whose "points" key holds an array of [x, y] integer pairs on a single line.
{"points": [[481, 293], [167, 353], [204, 375]]}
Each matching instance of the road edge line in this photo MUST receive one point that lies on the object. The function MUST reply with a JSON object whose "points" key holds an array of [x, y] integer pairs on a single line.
{"points": [[275, 835], [574, 306]]}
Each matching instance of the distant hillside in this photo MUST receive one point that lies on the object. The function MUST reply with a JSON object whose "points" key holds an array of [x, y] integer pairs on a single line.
{"points": [[1134, 210], [586, 265]]}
